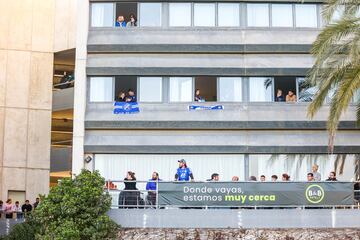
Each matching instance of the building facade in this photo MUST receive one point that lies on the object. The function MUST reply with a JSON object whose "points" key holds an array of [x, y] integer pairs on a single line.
{"points": [[31, 32], [238, 54]]}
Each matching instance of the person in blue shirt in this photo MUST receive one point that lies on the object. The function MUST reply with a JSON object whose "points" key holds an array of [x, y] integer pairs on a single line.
{"points": [[131, 97], [198, 97], [151, 187], [183, 173], [279, 96], [120, 22]]}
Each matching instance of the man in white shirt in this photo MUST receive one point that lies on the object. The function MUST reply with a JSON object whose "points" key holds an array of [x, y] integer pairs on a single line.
{"points": [[317, 175]]}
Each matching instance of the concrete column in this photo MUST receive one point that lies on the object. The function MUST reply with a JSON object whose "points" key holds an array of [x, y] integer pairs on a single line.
{"points": [[80, 86]]}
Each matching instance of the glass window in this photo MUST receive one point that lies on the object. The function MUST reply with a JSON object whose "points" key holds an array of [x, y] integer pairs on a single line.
{"points": [[181, 89], [257, 15], [260, 89], [228, 14], [101, 89], [180, 14], [204, 14], [102, 15], [230, 89], [306, 15], [150, 89], [282, 15], [150, 14], [306, 93]]}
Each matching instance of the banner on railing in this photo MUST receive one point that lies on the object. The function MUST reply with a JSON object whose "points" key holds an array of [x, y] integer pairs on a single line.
{"points": [[201, 107], [255, 193], [126, 107]]}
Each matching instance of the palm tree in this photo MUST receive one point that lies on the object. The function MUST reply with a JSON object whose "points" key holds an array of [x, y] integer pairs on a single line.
{"points": [[337, 62]]}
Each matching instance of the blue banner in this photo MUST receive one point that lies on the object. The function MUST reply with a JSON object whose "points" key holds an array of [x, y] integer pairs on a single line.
{"points": [[197, 107], [126, 107]]}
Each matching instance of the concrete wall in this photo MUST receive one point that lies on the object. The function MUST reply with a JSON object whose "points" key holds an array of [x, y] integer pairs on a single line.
{"points": [[28, 34]]}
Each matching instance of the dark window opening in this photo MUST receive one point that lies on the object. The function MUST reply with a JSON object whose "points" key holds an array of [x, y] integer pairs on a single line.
{"points": [[207, 89], [123, 84], [125, 11], [285, 85]]}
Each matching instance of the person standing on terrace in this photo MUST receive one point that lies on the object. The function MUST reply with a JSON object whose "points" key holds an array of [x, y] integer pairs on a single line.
{"points": [[183, 173]]}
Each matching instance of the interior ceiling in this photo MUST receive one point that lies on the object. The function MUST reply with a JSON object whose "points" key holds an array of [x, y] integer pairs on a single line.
{"points": [[66, 57]]}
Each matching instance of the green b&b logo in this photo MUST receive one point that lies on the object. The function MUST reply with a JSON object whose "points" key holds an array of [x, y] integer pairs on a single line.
{"points": [[314, 193]]}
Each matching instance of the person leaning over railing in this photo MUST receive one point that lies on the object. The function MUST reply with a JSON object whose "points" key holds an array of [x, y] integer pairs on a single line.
{"points": [[131, 195], [151, 187], [26, 207], [17, 210], [8, 209]]}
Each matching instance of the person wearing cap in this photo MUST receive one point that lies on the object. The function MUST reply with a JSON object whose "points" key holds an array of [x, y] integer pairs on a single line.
{"points": [[183, 173]]}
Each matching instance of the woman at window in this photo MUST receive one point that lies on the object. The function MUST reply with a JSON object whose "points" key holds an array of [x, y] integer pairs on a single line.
{"points": [[198, 97], [132, 22], [279, 96], [8, 209], [120, 22], [285, 177], [121, 97]]}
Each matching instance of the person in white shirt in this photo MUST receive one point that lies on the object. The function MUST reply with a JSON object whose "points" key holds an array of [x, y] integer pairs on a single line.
{"points": [[17, 210], [317, 175]]}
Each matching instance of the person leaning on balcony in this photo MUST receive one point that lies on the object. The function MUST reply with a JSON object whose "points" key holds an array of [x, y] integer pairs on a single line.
{"points": [[274, 178], [130, 181], [279, 96], [120, 22], [121, 97], [291, 97], [26, 208], [285, 177], [183, 173], [17, 210], [8, 209], [131, 97], [151, 187], [198, 97], [316, 174], [262, 178], [132, 21], [235, 179], [310, 177], [332, 176]]}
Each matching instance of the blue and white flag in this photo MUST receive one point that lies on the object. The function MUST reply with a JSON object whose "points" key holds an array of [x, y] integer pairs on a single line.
{"points": [[126, 107], [197, 107]]}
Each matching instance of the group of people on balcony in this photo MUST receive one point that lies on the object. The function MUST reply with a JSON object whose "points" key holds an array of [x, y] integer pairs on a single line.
{"points": [[290, 97], [126, 97], [122, 22], [10, 210], [131, 196]]}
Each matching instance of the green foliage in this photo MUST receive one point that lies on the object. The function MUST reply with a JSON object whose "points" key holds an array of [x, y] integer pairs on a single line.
{"points": [[74, 210], [22, 231], [337, 62]]}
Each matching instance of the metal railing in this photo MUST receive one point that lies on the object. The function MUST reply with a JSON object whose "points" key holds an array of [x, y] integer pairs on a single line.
{"points": [[141, 198]]}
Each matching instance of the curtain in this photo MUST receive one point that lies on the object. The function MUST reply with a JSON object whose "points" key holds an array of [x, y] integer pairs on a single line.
{"points": [[150, 89], [260, 89], [306, 15], [150, 14], [180, 14], [101, 89], [258, 15], [230, 89], [204, 14], [180, 89], [102, 15], [228, 14], [282, 15]]}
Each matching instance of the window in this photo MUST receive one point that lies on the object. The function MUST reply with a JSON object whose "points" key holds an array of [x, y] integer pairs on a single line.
{"points": [[282, 15], [257, 15], [285, 84], [123, 84], [180, 14], [101, 89], [228, 14], [181, 89], [207, 88], [125, 10], [306, 15], [102, 15], [260, 89], [230, 89], [305, 92], [204, 14], [150, 14], [150, 89]]}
